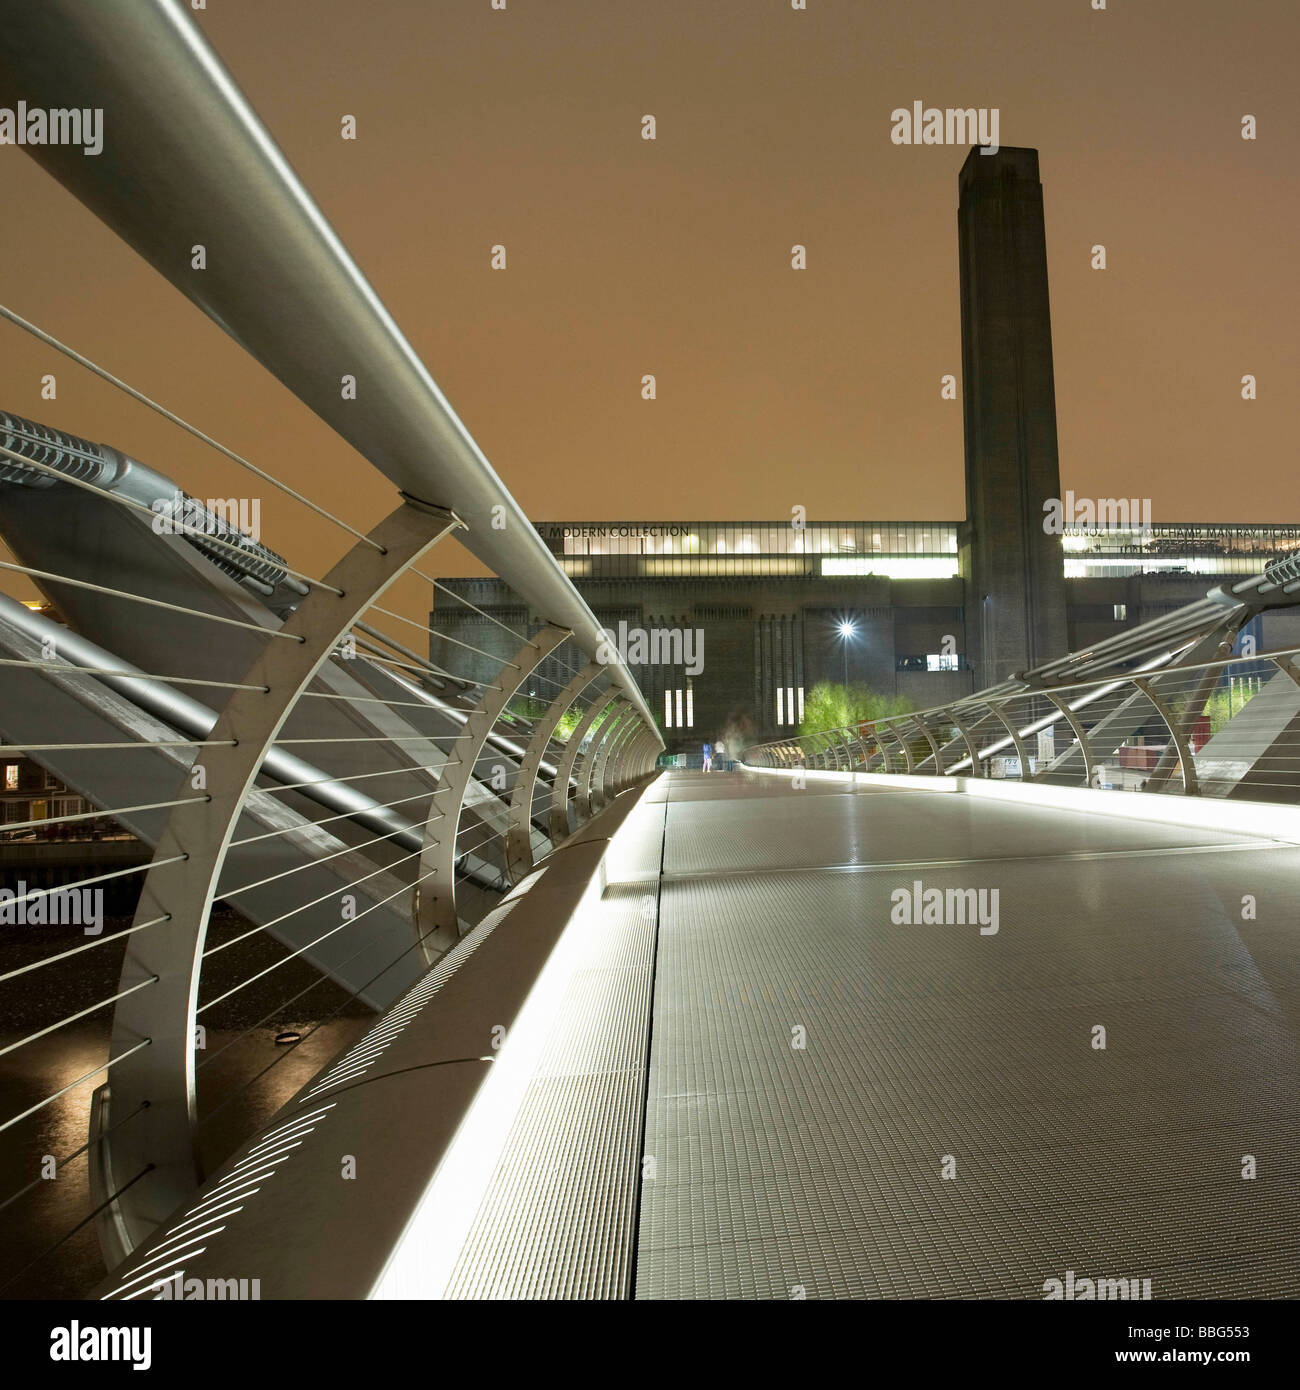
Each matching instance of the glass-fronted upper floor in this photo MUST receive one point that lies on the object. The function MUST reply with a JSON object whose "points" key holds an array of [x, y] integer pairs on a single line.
{"points": [[662, 549], [893, 549]]}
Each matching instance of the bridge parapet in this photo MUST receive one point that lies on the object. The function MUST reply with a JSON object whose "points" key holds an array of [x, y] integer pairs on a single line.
{"points": [[330, 809]]}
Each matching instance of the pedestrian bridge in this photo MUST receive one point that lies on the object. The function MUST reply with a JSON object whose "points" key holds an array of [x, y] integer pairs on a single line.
{"points": [[742, 1075], [430, 982]]}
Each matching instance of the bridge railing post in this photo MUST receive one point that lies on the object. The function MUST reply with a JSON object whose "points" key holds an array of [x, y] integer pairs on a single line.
{"points": [[611, 785], [436, 914], [519, 843], [591, 796], [153, 1163], [573, 767]]}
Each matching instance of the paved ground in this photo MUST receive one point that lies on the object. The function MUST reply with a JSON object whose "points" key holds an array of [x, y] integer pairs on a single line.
{"points": [[815, 1068]]}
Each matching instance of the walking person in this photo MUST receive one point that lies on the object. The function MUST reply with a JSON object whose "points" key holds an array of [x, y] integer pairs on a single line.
{"points": [[708, 757], [720, 749]]}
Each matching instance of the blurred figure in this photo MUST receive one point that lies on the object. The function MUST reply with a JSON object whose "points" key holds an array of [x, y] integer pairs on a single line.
{"points": [[708, 757]]}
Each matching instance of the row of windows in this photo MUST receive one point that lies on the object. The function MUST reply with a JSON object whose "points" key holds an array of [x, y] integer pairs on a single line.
{"points": [[932, 661], [679, 713], [750, 538], [789, 705], [1122, 567], [1091, 566], [667, 548], [20, 811]]}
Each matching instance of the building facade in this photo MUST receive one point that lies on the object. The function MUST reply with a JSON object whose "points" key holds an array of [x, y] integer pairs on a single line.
{"points": [[780, 608]]}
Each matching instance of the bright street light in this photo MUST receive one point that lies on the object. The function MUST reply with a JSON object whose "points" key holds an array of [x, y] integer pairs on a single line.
{"points": [[847, 630]]}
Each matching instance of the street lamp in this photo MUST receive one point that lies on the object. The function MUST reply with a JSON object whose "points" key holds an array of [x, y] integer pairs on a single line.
{"points": [[848, 631]]}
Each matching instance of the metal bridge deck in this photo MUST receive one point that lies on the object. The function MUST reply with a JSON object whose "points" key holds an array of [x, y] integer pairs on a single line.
{"points": [[776, 1170]]}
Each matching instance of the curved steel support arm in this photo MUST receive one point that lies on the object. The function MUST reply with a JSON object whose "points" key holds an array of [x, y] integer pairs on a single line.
{"points": [[881, 748], [592, 768], [934, 747], [604, 770], [519, 839], [559, 822], [905, 746], [636, 761], [436, 893], [977, 768], [1176, 732], [1009, 725], [155, 1085], [1073, 720]]}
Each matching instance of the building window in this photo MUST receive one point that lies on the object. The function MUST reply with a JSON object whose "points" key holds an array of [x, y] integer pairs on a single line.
{"points": [[799, 693], [943, 661], [668, 709], [1121, 612], [678, 694], [780, 706], [11, 777], [690, 705]]}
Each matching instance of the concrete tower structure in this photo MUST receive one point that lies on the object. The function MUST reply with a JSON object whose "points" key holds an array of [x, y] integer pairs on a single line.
{"points": [[1015, 585]]}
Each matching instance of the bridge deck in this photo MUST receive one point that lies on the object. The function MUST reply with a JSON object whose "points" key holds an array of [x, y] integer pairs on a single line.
{"points": [[776, 1168]]}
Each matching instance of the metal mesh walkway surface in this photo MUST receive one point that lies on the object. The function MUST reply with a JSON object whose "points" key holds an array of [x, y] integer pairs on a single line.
{"points": [[844, 1103]]}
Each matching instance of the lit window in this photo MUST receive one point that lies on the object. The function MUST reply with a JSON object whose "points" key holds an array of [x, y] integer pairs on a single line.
{"points": [[11, 777], [789, 702], [780, 706], [668, 709], [943, 661], [1121, 612], [799, 692], [690, 705], [678, 694]]}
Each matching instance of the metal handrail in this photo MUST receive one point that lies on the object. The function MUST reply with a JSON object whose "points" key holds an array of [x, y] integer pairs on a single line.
{"points": [[804, 749], [284, 286]]}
